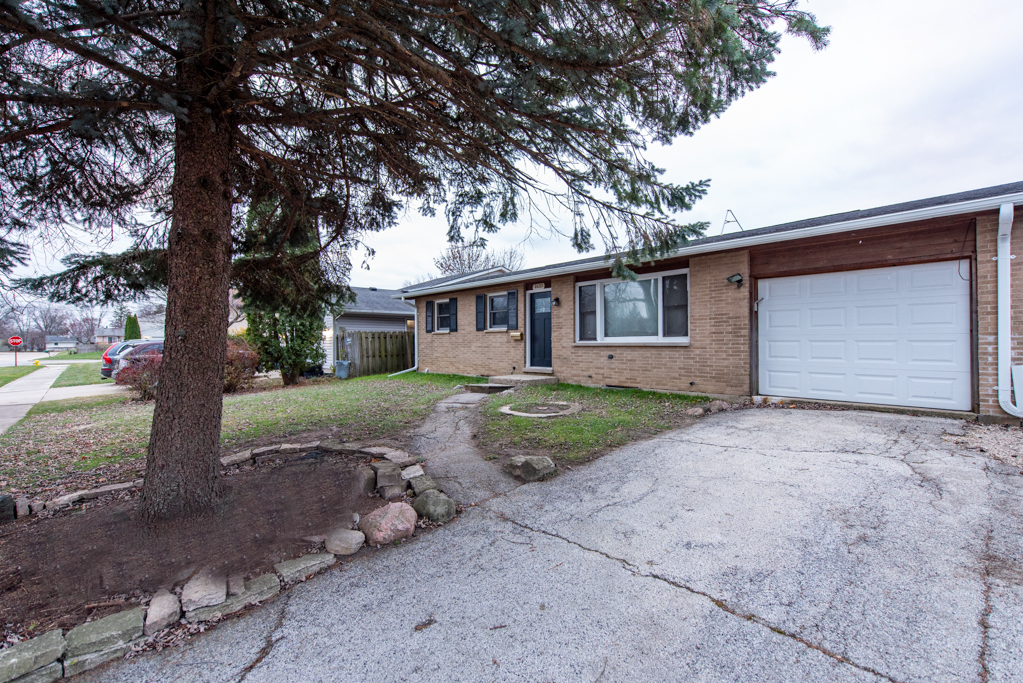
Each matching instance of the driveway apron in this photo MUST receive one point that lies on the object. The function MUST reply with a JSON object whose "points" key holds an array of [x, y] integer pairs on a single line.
{"points": [[757, 545]]}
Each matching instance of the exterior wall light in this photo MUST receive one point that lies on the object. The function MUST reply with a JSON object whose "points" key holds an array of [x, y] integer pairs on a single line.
{"points": [[556, 302], [735, 279]]}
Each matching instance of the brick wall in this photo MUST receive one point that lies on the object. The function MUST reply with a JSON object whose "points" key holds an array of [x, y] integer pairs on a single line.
{"points": [[466, 351], [717, 360], [987, 309]]}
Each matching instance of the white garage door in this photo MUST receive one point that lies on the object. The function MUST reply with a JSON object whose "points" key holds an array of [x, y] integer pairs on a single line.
{"points": [[896, 336]]}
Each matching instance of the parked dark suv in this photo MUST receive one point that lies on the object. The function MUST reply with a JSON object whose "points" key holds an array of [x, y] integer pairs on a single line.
{"points": [[141, 350], [106, 370]]}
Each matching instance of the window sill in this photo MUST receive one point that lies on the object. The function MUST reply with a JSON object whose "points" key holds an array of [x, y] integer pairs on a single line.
{"points": [[632, 343], [497, 329], [441, 332]]}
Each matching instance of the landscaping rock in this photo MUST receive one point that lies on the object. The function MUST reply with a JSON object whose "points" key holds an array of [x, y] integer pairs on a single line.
{"points": [[265, 450], [21, 508], [205, 589], [718, 406], [36, 506], [423, 483], [259, 589], [303, 567], [345, 447], [268, 458], [64, 501], [412, 472], [311, 446], [530, 467], [84, 662], [389, 523], [104, 490], [164, 611], [344, 541], [239, 458], [398, 457], [47, 674], [235, 584], [290, 448], [7, 509], [365, 479], [696, 412], [435, 506], [393, 492], [30, 655], [109, 632], [388, 474]]}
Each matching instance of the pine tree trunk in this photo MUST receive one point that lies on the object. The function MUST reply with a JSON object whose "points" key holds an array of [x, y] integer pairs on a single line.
{"points": [[182, 465]]}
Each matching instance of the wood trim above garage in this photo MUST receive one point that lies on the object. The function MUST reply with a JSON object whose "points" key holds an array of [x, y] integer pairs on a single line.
{"points": [[934, 240]]}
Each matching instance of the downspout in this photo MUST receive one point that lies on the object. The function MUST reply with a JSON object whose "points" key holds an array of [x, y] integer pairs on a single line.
{"points": [[1006, 373], [415, 314]]}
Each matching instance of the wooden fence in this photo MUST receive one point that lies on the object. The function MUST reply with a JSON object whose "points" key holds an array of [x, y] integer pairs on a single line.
{"points": [[373, 353]]}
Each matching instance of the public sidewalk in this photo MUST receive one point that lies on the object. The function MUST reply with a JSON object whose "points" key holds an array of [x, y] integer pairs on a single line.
{"points": [[17, 397]]}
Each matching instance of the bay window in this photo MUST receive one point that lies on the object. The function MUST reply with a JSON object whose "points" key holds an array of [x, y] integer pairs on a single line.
{"points": [[653, 308]]}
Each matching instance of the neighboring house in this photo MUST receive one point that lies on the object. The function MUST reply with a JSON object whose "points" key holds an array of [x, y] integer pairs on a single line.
{"points": [[374, 310], [108, 335], [54, 343], [894, 306]]}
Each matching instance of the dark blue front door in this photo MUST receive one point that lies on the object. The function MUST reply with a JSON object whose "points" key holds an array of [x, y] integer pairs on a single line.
{"points": [[540, 330]]}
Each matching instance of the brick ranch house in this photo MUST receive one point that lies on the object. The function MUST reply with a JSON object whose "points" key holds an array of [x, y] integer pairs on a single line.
{"points": [[896, 306]]}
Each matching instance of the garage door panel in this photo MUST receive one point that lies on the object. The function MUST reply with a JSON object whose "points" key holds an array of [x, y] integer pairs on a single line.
{"points": [[896, 336]]}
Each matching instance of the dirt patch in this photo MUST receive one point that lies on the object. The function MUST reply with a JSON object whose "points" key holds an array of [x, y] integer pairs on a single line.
{"points": [[1003, 443], [87, 562]]}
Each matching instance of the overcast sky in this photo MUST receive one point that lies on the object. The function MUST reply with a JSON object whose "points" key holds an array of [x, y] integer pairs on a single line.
{"points": [[911, 99]]}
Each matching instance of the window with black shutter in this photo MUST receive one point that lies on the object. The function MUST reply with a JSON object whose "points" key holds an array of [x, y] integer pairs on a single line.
{"points": [[453, 309], [481, 313], [429, 316], [443, 316]]}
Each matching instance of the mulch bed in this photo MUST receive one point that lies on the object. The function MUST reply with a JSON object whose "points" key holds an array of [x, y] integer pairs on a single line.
{"points": [[64, 568]]}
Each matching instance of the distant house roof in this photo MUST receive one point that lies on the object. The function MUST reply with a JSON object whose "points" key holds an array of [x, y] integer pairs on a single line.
{"points": [[370, 300], [53, 339], [109, 332], [984, 199]]}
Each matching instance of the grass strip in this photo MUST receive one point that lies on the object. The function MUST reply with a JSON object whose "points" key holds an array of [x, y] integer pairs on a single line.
{"points": [[12, 373]]}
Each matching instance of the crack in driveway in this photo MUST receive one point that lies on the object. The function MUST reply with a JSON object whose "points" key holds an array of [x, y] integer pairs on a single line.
{"points": [[717, 602], [270, 642]]}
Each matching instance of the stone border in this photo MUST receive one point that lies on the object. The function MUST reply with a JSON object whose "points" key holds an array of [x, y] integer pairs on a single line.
{"points": [[207, 596], [572, 409]]}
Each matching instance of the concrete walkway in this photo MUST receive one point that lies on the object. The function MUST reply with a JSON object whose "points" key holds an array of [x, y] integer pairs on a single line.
{"points": [[85, 390], [757, 545], [445, 441], [17, 397]]}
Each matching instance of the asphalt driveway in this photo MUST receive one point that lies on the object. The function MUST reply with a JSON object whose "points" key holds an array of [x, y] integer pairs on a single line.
{"points": [[760, 545]]}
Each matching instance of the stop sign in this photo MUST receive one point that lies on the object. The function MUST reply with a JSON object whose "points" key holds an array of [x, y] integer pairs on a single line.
{"points": [[15, 341]]}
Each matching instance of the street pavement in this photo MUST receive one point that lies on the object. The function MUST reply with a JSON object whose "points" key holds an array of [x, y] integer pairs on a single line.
{"points": [[754, 545], [24, 358]]}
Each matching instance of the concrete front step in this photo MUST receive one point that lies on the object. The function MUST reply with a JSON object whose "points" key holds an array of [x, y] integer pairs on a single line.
{"points": [[524, 380], [487, 388]]}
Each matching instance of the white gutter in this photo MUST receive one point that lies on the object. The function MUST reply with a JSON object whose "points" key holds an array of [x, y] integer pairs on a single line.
{"points": [[415, 313], [752, 240], [1006, 372]]}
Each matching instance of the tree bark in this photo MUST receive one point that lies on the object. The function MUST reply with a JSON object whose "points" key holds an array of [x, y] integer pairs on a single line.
{"points": [[182, 465]]}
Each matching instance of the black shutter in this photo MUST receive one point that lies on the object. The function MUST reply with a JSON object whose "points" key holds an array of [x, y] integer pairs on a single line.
{"points": [[513, 309], [429, 316], [453, 308], [481, 312]]}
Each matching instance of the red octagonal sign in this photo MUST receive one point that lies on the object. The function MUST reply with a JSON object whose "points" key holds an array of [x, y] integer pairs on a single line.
{"points": [[15, 341]]}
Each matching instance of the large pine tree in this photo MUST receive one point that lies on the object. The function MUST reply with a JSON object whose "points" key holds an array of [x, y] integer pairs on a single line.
{"points": [[164, 119]]}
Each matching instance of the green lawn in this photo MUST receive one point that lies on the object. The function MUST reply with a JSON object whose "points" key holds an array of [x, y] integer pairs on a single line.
{"points": [[609, 418], [78, 374], [11, 374], [109, 435], [92, 355]]}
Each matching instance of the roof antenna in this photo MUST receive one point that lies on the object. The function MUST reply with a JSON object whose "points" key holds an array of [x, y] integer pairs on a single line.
{"points": [[728, 212]]}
